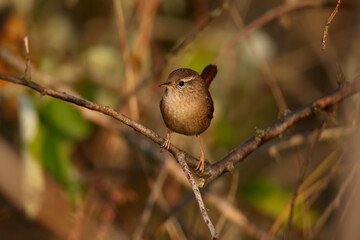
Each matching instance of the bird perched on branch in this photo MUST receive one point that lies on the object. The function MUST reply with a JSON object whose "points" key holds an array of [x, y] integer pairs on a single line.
{"points": [[186, 106]]}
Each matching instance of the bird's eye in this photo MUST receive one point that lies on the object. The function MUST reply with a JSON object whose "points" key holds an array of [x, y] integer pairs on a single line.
{"points": [[181, 83]]}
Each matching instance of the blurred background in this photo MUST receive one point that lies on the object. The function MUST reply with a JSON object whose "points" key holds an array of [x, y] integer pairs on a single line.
{"points": [[69, 173]]}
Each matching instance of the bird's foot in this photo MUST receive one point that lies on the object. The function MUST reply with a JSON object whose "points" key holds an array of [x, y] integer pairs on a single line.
{"points": [[200, 167], [166, 144]]}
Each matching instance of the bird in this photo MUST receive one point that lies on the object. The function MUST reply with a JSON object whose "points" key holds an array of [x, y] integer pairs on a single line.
{"points": [[186, 106]]}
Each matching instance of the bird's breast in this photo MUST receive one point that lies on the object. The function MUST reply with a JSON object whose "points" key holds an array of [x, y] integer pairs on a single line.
{"points": [[189, 115]]}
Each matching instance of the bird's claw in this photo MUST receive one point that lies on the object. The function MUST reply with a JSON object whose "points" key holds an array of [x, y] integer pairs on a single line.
{"points": [[200, 167], [166, 144]]}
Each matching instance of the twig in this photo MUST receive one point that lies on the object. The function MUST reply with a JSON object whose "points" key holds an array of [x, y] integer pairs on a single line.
{"points": [[146, 15], [27, 74], [303, 169], [130, 76], [185, 167], [323, 42]]}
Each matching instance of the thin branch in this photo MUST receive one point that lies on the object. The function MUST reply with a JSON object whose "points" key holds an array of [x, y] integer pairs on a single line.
{"points": [[181, 159], [323, 42], [27, 74], [130, 76], [146, 14]]}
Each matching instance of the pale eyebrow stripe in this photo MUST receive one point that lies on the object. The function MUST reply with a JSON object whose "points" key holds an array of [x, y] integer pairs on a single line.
{"points": [[188, 78]]}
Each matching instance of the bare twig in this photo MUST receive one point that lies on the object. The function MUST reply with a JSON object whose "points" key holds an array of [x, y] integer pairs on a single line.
{"points": [[130, 76], [323, 42], [27, 74], [147, 11], [181, 159]]}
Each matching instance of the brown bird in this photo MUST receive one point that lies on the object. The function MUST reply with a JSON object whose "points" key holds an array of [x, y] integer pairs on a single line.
{"points": [[186, 106]]}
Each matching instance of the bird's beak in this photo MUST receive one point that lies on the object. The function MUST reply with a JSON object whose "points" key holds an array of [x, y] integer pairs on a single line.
{"points": [[164, 84]]}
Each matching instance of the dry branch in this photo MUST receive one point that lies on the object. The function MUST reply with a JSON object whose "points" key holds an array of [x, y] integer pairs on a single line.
{"points": [[323, 42]]}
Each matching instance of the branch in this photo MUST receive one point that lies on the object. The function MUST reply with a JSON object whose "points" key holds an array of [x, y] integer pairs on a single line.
{"points": [[227, 163], [184, 166], [323, 42]]}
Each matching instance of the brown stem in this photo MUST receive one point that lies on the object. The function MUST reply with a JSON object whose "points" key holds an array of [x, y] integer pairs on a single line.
{"points": [[323, 42], [181, 158]]}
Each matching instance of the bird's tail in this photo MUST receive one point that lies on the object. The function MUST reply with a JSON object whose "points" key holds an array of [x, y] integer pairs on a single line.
{"points": [[209, 73]]}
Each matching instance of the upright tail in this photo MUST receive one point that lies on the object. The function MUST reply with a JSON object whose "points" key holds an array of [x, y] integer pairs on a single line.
{"points": [[208, 74]]}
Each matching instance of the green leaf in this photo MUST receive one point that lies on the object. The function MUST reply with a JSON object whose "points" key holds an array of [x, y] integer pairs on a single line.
{"points": [[64, 119]]}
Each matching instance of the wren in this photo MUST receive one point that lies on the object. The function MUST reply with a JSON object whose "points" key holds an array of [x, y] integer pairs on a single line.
{"points": [[186, 106]]}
